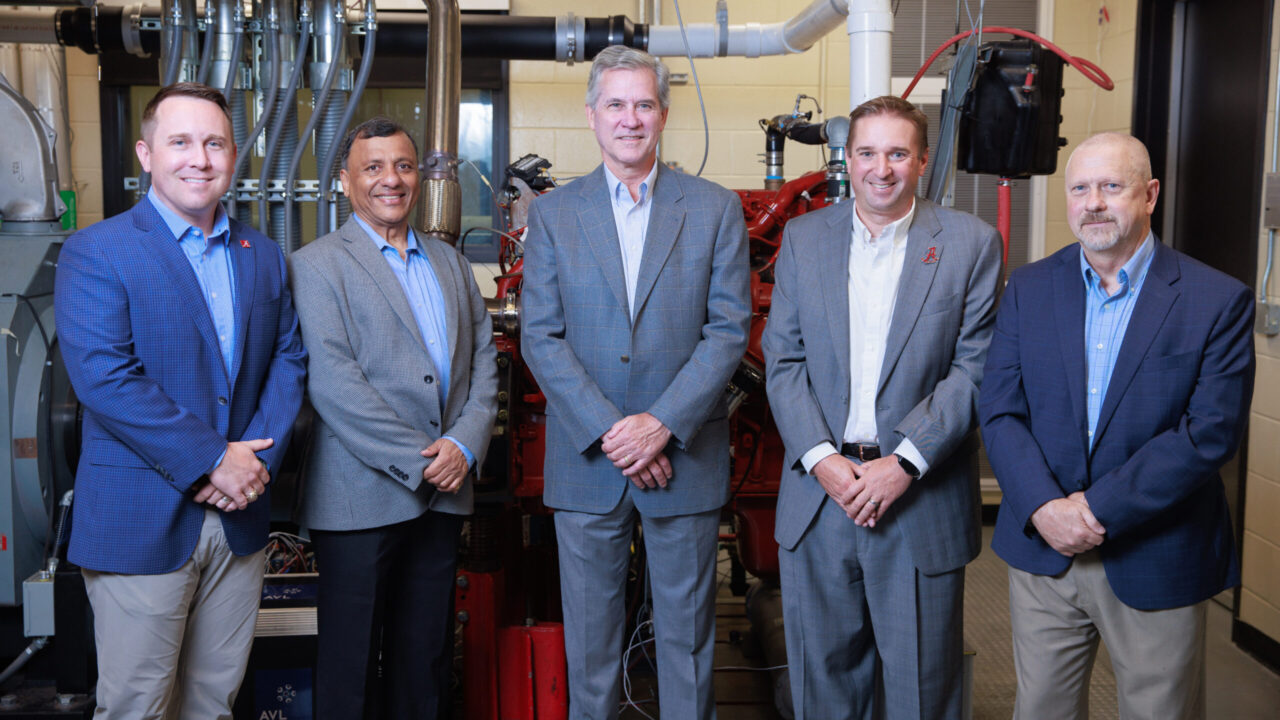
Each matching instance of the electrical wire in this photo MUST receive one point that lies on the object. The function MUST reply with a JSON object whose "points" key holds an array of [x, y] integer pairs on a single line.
{"points": [[1086, 68], [206, 53], [706, 128]]}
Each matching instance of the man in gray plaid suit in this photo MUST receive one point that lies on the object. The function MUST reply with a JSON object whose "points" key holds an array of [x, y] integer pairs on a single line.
{"points": [[880, 320], [635, 315]]}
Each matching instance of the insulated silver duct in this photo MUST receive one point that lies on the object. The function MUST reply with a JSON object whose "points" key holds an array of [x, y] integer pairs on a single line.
{"points": [[31, 195], [441, 214]]}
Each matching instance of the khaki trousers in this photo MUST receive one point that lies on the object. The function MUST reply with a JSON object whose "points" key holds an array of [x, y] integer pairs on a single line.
{"points": [[1158, 655], [175, 646]]}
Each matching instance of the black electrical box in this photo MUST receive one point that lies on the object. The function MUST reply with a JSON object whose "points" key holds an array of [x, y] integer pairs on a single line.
{"points": [[1009, 126]]}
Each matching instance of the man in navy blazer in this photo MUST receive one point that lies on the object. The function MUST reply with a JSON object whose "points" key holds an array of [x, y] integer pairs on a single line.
{"points": [[181, 341], [635, 317], [1117, 384]]}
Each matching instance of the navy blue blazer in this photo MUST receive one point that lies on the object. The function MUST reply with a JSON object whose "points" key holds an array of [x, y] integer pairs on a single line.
{"points": [[159, 407], [1173, 414]]}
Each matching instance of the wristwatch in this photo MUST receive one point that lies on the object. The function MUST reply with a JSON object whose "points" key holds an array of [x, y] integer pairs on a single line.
{"points": [[908, 467]]}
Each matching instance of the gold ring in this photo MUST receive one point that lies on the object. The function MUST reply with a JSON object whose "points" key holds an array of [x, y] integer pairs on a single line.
{"points": [[251, 495]]}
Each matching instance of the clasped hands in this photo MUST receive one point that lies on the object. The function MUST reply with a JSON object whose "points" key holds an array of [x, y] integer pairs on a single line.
{"points": [[449, 468], [635, 445], [864, 491], [1068, 525], [240, 477]]}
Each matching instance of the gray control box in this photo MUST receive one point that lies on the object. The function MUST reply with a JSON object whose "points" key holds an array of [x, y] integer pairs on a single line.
{"points": [[37, 605]]}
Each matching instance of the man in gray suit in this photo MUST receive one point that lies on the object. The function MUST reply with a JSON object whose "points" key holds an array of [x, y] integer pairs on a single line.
{"points": [[879, 326], [404, 384], [635, 316]]}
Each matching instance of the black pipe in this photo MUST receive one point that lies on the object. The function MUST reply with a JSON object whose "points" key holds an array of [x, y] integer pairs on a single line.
{"points": [[502, 37]]}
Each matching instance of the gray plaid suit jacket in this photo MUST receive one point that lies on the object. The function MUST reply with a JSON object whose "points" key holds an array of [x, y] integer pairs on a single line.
{"points": [[596, 365], [928, 387], [374, 387]]}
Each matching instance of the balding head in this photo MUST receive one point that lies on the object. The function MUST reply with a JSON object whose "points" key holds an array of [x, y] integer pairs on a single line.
{"points": [[1126, 149], [1110, 194]]}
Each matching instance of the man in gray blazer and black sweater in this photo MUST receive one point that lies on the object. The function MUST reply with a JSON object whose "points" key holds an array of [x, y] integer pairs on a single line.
{"points": [[879, 325], [635, 316], [404, 384]]}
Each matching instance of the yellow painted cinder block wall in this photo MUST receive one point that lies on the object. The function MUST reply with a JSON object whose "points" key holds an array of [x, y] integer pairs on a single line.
{"points": [[1087, 109], [1260, 596], [86, 134]]}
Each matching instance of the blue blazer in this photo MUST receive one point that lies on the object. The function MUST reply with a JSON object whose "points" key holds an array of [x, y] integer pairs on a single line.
{"points": [[159, 408], [1173, 414]]}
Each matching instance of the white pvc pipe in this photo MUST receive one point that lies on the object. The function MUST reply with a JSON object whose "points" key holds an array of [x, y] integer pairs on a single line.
{"points": [[752, 39], [870, 44]]}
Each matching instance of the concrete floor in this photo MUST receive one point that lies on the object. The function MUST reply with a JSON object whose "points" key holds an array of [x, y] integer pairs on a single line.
{"points": [[1238, 687]]}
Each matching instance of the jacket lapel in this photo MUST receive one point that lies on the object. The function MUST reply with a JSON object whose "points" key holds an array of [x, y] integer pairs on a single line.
{"points": [[244, 273], [161, 245], [1154, 302], [831, 256], [595, 213], [919, 267], [1068, 294], [362, 248], [666, 218]]}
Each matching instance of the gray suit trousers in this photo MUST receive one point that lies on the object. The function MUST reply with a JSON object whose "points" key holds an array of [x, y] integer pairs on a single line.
{"points": [[865, 627], [594, 554]]}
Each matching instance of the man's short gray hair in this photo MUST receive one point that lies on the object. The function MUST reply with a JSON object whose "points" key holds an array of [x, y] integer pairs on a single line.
{"points": [[620, 57]]}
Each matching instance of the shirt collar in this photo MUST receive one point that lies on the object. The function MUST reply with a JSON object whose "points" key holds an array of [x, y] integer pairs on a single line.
{"points": [[896, 230], [179, 227], [618, 192], [411, 243], [1132, 273]]}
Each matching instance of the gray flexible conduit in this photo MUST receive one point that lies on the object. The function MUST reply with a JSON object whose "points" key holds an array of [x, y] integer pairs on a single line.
{"points": [[283, 115], [317, 107], [331, 152]]}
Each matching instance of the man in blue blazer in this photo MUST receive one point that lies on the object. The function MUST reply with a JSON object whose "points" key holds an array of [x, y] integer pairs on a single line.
{"points": [[635, 317], [182, 344], [882, 311], [1118, 383]]}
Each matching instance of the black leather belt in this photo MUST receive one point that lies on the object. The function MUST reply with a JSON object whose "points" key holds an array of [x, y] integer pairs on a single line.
{"points": [[861, 451]]}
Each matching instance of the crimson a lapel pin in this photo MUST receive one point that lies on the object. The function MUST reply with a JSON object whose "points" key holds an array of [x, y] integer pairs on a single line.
{"points": [[244, 243], [931, 256]]}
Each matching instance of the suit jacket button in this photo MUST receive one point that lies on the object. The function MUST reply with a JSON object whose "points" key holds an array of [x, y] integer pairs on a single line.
{"points": [[428, 379], [625, 358], [222, 400]]}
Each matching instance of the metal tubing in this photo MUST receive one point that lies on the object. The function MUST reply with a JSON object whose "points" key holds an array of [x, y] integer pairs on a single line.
{"points": [[442, 197], [362, 78]]}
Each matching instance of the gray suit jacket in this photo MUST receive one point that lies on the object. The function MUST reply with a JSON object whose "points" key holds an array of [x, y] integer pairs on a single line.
{"points": [[596, 365], [374, 387], [928, 387]]}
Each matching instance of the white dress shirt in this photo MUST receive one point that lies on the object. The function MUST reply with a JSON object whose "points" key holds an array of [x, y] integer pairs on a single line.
{"points": [[875, 266], [631, 217]]}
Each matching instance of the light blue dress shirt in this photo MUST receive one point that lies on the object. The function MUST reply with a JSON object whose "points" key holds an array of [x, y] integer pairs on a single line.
{"points": [[631, 217], [1105, 321], [210, 258], [426, 300]]}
